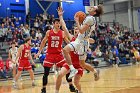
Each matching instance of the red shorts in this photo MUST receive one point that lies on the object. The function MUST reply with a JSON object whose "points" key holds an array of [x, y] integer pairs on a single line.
{"points": [[24, 64], [57, 59], [79, 68]]}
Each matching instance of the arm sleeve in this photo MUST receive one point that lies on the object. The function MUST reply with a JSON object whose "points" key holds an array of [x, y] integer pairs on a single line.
{"points": [[90, 20]]}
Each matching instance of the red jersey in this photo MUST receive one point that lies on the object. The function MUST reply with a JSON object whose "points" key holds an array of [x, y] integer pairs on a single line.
{"points": [[25, 53], [74, 57], [1, 64], [55, 41]]}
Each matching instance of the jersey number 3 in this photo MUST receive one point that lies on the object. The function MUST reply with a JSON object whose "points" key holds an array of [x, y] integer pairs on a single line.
{"points": [[54, 43]]}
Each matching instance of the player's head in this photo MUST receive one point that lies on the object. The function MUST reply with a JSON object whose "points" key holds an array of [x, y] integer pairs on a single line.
{"points": [[56, 23], [96, 10], [28, 40], [13, 44]]}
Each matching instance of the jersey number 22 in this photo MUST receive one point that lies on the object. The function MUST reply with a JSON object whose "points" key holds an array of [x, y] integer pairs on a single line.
{"points": [[54, 43]]}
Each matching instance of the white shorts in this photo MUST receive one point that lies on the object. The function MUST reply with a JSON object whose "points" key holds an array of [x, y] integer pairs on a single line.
{"points": [[12, 65], [80, 47]]}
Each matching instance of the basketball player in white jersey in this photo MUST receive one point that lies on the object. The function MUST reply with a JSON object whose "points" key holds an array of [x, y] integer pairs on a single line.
{"points": [[12, 57], [81, 44]]}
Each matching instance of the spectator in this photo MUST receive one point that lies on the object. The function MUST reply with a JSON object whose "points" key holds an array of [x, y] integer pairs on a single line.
{"points": [[38, 34], [2, 72], [136, 54], [115, 51], [17, 23], [111, 58], [26, 30], [9, 35], [36, 24]]}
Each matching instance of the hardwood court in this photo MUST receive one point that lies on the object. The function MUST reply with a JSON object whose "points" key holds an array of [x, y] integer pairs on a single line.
{"points": [[113, 80]]}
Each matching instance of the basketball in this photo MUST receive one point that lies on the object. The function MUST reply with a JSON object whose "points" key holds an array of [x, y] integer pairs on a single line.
{"points": [[81, 16]]}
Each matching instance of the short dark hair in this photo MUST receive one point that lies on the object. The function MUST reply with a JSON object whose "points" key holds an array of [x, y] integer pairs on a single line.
{"points": [[56, 20], [99, 11], [27, 39], [13, 43]]}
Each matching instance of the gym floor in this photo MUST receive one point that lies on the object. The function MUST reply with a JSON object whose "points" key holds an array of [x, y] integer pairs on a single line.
{"points": [[112, 80]]}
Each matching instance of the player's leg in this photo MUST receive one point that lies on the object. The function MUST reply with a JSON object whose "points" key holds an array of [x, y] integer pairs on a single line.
{"points": [[32, 76], [28, 67], [76, 82], [14, 70], [16, 78], [66, 51], [47, 64], [17, 75], [45, 79], [62, 73], [88, 67], [71, 86]]}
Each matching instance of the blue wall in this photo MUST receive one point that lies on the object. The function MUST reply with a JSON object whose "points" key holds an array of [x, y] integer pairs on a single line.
{"points": [[71, 8], [35, 8], [16, 8]]}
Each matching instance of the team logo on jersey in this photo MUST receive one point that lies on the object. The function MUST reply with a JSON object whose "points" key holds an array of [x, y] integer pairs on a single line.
{"points": [[55, 37]]}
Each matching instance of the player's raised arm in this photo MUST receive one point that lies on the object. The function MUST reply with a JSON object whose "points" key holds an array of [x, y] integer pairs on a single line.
{"points": [[60, 13], [66, 38]]}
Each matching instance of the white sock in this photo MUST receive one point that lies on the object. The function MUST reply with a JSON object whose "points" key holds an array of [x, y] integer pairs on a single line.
{"points": [[56, 91], [71, 67], [33, 81]]}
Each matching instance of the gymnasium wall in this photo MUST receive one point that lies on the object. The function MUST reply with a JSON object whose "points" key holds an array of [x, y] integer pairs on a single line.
{"points": [[9, 7], [136, 16], [108, 15], [36, 9], [120, 14]]}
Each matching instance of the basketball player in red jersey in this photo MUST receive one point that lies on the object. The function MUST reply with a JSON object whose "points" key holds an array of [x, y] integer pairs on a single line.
{"points": [[54, 54], [24, 55]]}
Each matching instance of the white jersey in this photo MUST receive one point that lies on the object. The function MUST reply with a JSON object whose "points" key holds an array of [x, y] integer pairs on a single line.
{"points": [[81, 44], [13, 53], [89, 20], [83, 38]]}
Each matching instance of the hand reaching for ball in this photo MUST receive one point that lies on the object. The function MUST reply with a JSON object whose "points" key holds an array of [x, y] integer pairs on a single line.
{"points": [[76, 18]]}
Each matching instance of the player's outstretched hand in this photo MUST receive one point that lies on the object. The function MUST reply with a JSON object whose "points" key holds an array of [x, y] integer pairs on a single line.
{"points": [[60, 11]]}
